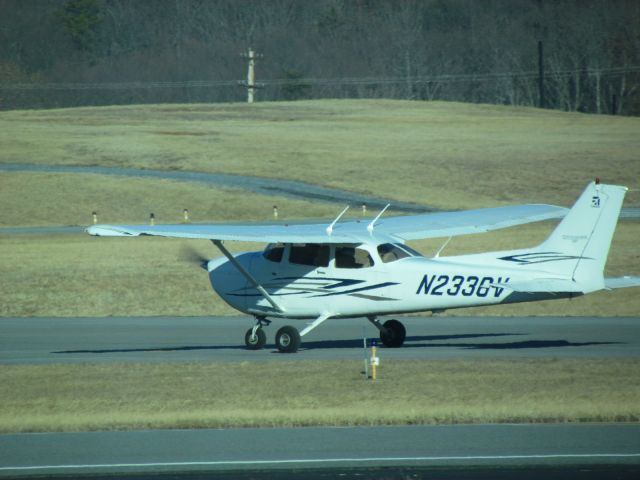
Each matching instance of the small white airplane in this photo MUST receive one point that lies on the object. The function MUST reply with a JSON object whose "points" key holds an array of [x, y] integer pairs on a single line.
{"points": [[364, 268]]}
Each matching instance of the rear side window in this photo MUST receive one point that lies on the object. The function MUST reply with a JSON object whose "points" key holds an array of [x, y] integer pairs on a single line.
{"points": [[311, 254], [274, 252]]}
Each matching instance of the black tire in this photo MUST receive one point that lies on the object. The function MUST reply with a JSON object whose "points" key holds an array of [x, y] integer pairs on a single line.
{"points": [[288, 339], [394, 334], [257, 342]]}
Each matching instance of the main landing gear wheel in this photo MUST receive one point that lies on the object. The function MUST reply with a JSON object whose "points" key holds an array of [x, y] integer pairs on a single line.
{"points": [[288, 339], [393, 334], [255, 341]]}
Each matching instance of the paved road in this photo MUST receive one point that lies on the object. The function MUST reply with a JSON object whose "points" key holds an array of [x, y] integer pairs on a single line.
{"points": [[264, 186], [332, 448], [162, 339], [261, 185]]}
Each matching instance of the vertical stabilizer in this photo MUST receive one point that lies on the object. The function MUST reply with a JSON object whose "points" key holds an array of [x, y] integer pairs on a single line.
{"points": [[580, 243]]}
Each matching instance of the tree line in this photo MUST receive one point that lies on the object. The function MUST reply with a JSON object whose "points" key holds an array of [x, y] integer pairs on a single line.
{"points": [[57, 53]]}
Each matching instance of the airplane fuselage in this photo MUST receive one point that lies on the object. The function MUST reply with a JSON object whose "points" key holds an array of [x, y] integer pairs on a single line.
{"points": [[410, 284], [365, 269]]}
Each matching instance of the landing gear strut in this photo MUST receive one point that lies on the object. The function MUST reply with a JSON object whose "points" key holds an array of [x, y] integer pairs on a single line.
{"points": [[392, 333], [255, 338], [287, 338]]}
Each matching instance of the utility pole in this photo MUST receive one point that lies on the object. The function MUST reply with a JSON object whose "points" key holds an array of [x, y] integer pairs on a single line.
{"points": [[541, 75], [251, 75]]}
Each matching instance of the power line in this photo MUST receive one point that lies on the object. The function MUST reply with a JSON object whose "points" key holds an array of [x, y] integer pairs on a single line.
{"points": [[341, 81], [117, 85]]}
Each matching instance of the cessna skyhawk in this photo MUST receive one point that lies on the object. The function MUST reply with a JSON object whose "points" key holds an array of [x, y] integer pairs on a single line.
{"points": [[354, 268]]}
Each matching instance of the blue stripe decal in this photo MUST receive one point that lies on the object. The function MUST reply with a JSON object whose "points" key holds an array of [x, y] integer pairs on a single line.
{"points": [[314, 287], [540, 257], [340, 282], [361, 289]]}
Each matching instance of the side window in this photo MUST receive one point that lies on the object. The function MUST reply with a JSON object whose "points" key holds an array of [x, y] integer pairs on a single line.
{"points": [[309, 254], [274, 252], [351, 257], [390, 253]]}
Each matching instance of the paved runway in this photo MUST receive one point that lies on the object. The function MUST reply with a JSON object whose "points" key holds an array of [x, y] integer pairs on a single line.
{"points": [[162, 339], [334, 449]]}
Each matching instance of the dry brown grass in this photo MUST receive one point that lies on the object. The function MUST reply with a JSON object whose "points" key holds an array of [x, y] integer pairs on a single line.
{"points": [[302, 393]]}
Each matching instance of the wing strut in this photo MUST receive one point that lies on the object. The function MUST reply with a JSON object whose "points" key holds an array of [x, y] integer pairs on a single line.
{"points": [[248, 276]]}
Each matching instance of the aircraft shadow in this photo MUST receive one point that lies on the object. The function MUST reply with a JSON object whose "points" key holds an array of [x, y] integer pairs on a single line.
{"points": [[353, 343], [512, 345], [357, 343], [410, 342], [427, 342], [185, 348]]}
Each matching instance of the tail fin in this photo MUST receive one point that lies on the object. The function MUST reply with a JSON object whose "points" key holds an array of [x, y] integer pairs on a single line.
{"points": [[581, 241]]}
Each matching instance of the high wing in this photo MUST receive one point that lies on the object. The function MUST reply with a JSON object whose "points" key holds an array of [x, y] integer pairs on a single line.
{"points": [[451, 224], [389, 229]]}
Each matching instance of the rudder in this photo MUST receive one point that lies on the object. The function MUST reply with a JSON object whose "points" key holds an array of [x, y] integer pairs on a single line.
{"points": [[582, 239]]}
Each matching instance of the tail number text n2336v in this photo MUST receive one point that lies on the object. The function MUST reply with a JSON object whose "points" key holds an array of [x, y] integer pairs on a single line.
{"points": [[460, 285]]}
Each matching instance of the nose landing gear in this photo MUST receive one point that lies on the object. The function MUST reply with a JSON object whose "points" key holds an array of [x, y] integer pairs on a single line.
{"points": [[287, 338], [255, 338]]}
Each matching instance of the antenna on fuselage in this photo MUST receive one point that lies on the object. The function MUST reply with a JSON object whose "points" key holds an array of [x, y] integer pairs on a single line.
{"points": [[330, 227], [373, 222]]}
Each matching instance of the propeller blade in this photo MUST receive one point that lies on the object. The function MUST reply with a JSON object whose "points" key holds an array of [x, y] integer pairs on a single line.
{"points": [[193, 256]]}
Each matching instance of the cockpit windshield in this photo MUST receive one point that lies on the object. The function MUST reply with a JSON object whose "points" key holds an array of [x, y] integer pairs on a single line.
{"points": [[390, 252], [274, 252]]}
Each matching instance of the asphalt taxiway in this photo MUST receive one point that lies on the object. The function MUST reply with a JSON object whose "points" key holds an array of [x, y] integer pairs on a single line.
{"points": [[337, 450], [165, 339]]}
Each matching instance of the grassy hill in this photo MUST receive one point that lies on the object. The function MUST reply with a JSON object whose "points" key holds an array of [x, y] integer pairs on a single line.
{"points": [[447, 155]]}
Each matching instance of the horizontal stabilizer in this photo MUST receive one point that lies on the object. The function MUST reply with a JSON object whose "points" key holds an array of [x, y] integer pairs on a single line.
{"points": [[621, 282]]}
